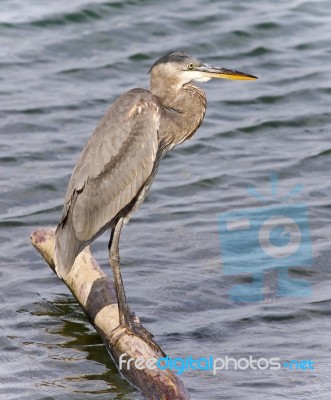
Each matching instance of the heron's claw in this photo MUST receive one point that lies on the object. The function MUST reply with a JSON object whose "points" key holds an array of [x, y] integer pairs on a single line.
{"points": [[142, 332], [135, 328], [147, 337]]}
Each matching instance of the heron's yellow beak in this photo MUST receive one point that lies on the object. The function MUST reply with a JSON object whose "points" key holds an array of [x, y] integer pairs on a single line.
{"points": [[215, 72]]}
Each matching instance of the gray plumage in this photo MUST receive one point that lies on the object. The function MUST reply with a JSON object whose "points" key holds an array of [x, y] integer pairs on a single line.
{"points": [[109, 174], [119, 161]]}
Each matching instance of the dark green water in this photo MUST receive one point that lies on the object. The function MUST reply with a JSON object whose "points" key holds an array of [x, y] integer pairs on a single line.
{"points": [[61, 64]]}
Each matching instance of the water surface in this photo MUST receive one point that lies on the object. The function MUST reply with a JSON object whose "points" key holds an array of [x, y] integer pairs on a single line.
{"points": [[61, 65]]}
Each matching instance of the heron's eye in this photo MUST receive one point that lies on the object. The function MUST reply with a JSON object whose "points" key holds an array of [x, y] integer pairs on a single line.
{"points": [[190, 66]]}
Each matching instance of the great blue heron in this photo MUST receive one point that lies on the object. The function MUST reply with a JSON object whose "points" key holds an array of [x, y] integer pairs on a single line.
{"points": [[119, 161]]}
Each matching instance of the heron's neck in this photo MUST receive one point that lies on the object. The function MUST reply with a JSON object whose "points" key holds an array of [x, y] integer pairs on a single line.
{"points": [[182, 115]]}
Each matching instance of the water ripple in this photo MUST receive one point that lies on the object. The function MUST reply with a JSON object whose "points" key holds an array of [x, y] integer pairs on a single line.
{"points": [[62, 64]]}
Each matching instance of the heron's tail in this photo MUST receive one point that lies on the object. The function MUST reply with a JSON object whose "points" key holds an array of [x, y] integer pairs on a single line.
{"points": [[67, 247]]}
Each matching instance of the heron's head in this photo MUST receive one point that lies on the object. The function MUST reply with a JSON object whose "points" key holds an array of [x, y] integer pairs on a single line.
{"points": [[177, 69]]}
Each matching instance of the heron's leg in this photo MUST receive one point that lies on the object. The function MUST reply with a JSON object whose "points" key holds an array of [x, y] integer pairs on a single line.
{"points": [[123, 308], [125, 316]]}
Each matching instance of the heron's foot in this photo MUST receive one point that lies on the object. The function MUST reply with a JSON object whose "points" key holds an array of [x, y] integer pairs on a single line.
{"points": [[146, 336], [142, 332], [134, 327]]}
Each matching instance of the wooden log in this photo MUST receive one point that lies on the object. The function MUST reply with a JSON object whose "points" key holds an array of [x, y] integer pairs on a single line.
{"points": [[95, 293]]}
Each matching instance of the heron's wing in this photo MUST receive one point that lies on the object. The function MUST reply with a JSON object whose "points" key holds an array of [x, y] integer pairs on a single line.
{"points": [[115, 163]]}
